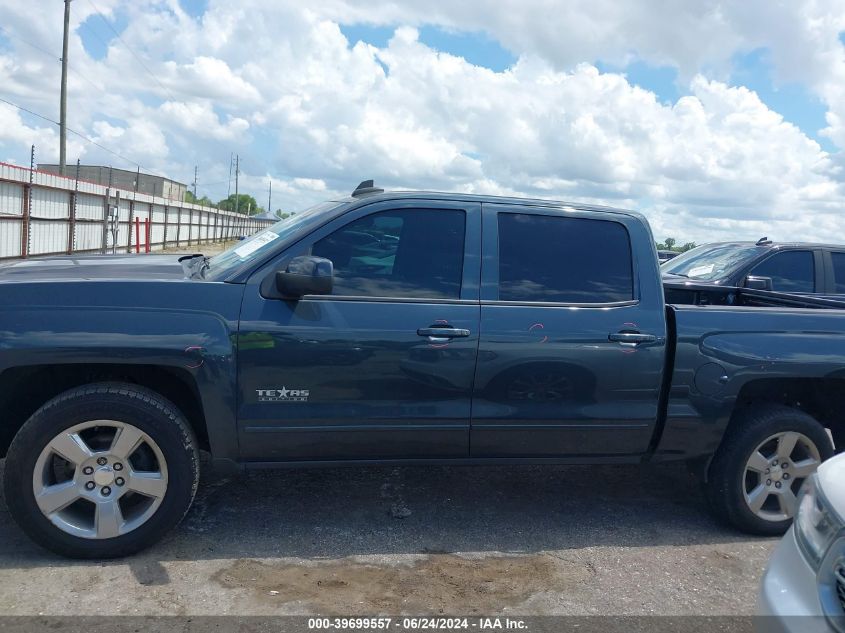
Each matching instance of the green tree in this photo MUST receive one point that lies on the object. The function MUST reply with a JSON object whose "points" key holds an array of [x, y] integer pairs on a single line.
{"points": [[245, 204], [204, 201], [671, 244]]}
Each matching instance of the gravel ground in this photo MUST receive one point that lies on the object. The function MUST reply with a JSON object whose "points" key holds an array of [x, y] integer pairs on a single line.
{"points": [[208, 249], [435, 540]]}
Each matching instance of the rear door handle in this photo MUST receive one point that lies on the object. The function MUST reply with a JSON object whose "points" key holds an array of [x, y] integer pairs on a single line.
{"points": [[631, 338], [442, 332]]}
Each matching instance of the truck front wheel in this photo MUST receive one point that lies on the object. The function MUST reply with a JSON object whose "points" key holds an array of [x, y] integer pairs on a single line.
{"points": [[765, 456], [101, 471]]}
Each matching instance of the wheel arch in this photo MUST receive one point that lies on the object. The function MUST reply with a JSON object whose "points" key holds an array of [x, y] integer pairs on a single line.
{"points": [[745, 474], [23, 390], [821, 398]]}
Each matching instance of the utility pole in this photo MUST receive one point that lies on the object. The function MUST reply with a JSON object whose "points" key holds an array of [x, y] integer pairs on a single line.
{"points": [[63, 104], [195, 183], [229, 186], [237, 173], [270, 198]]}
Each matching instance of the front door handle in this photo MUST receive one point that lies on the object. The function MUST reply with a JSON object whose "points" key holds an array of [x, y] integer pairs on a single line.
{"points": [[631, 338], [442, 332]]}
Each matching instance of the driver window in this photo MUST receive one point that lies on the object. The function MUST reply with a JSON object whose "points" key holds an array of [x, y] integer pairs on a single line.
{"points": [[790, 271], [411, 253]]}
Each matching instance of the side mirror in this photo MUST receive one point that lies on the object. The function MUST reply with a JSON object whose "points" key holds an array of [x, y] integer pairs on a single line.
{"points": [[758, 283], [305, 275]]}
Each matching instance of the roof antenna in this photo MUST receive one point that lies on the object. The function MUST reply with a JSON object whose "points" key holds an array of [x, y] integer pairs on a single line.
{"points": [[366, 187], [763, 241]]}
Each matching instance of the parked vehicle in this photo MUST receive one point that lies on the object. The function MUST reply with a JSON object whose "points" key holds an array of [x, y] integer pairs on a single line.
{"points": [[369, 330], [794, 268], [664, 256], [803, 589]]}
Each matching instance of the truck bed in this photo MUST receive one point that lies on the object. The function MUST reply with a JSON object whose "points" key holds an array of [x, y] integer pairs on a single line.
{"points": [[789, 347], [708, 294]]}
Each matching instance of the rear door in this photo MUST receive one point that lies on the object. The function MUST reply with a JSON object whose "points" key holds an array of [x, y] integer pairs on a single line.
{"points": [[383, 367], [835, 269], [573, 335]]}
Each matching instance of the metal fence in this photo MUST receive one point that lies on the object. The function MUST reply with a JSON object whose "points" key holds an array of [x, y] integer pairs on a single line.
{"points": [[45, 214]]}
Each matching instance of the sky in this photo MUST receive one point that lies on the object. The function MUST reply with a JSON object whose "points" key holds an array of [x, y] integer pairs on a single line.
{"points": [[716, 119]]}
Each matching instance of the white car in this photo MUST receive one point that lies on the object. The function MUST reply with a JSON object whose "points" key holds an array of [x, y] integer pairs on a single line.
{"points": [[803, 589]]}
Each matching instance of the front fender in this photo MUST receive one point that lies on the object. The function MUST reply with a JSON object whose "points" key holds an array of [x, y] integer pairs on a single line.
{"points": [[196, 341]]}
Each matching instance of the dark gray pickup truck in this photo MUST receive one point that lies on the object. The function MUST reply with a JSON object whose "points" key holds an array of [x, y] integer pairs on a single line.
{"points": [[398, 328]]}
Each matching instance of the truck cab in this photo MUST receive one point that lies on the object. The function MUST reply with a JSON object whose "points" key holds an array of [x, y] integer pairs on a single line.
{"points": [[455, 329]]}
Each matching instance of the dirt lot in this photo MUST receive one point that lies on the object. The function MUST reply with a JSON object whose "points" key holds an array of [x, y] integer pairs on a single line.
{"points": [[510, 540], [209, 249]]}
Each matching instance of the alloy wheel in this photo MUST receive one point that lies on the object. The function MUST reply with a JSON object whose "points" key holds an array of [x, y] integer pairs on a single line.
{"points": [[774, 473], [100, 479]]}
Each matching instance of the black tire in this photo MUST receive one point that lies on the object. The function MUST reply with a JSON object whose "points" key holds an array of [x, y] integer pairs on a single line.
{"points": [[726, 476], [127, 403]]}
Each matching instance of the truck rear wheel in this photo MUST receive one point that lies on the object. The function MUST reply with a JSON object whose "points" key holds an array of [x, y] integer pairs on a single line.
{"points": [[758, 470], [102, 471]]}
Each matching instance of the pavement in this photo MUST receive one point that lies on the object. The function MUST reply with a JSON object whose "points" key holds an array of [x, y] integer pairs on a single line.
{"points": [[521, 540]]}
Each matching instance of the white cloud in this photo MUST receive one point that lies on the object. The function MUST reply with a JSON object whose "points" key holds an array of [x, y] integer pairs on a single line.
{"points": [[14, 133], [313, 184], [802, 38], [200, 120], [211, 78], [279, 84]]}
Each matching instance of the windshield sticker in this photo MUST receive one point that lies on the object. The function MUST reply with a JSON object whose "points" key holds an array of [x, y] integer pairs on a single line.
{"points": [[698, 271], [255, 243]]}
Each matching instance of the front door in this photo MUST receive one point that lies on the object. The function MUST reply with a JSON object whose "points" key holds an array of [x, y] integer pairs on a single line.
{"points": [[793, 271], [572, 346], [383, 367]]}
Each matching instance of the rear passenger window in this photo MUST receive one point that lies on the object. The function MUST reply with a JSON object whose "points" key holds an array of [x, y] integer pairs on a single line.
{"points": [[790, 271], [563, 260], [838, 272]]}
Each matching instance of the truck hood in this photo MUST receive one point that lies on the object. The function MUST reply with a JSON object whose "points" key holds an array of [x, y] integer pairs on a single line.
{"points": [[84, 267]]}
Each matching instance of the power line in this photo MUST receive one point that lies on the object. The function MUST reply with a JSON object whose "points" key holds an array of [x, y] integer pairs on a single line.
{"points": [[83, 137], [79, 134], [35, 46], [49, 54], [134, 54], [102, 147]]}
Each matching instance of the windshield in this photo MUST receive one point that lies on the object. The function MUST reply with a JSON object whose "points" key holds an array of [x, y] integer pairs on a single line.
{"points": [[710, 262], [254, 247]]}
